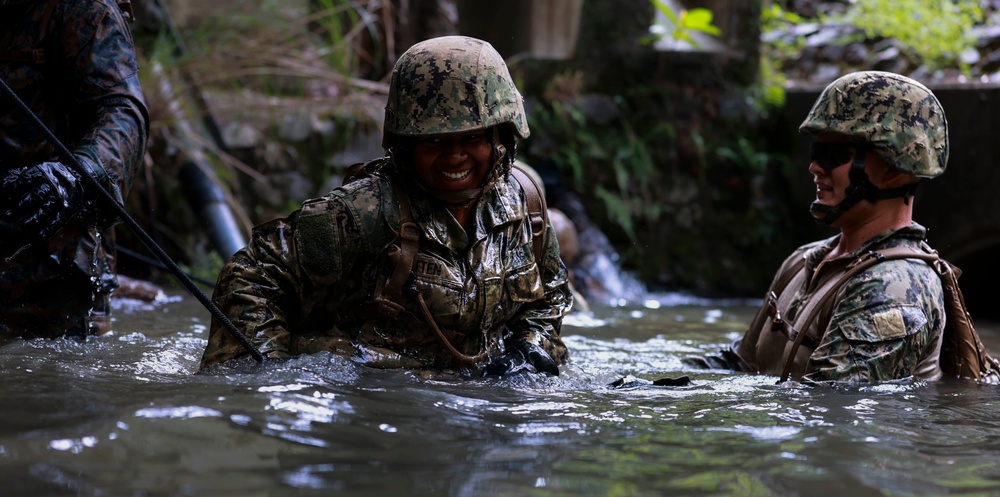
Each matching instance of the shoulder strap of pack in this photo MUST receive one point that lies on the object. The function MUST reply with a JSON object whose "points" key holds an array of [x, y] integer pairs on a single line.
{"points": [[813, 307], [537, 211], [403, 255], [963, 354], [126, 7], [389, 302]]}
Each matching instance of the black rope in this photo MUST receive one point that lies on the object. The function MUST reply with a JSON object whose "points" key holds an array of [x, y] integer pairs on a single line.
{"points": [[133, 225]]}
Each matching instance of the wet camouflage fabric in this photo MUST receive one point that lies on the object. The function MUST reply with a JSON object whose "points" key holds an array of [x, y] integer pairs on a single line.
{"points": [[303, 283], [886, 323], [451, 84], [88, 93], [900, 117]]}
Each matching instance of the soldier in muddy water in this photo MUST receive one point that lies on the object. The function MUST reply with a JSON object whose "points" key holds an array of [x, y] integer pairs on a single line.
{"points": [[427, 260]]}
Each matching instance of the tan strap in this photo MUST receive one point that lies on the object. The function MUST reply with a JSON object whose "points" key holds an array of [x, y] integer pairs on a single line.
{"points": [[390, 302], [537, 211], [864, 262], [403, 255], [35, 56], [953, 293], [786, 328], [127, 11], [813, 308], [457, 354]]}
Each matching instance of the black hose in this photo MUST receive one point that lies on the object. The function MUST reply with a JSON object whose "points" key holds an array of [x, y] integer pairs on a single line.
{"points": [[133, 225]]}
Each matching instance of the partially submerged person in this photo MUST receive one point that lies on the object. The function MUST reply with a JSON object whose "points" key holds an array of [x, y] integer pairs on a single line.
{"points": [[425, 262], [73, 64], [878, 135]]}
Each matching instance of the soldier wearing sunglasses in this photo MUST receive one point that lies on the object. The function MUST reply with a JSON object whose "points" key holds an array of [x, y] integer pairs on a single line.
{"points": [[877, 136]]}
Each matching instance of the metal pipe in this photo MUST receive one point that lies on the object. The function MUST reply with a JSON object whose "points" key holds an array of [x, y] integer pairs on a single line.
{"points": [[209, 201]]}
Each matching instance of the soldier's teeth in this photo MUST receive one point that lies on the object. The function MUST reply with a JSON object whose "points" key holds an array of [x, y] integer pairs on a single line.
{"points": [[458, 175]]}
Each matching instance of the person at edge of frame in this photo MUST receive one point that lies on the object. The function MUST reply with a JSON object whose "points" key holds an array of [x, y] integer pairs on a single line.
{"points": [[73, 63], [877, 136]]}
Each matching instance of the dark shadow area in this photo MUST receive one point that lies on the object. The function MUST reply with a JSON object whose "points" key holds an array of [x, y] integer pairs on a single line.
{"points": [[980, 273]]}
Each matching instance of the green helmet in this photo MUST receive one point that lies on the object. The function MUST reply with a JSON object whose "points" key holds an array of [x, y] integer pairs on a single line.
{"points": [[900, 118], [449, 85]]}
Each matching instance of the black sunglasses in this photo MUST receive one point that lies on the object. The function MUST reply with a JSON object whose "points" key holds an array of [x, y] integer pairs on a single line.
{"points": [[831, 155]]}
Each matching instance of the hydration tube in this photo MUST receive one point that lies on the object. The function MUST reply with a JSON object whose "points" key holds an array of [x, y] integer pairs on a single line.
{"points": [[133, 225]]}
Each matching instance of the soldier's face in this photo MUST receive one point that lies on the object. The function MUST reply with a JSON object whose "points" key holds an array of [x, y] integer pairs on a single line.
{"points": [[830, 163], [831, 156], [453, 161]]}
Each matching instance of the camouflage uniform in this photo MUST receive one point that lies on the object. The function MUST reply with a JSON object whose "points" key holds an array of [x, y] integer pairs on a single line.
{"points": [[86, 90], [885, 323], [307, 283], [304, 283]]}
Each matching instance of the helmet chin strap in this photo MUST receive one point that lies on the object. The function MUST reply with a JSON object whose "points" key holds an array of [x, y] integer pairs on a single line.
{"points": [[860, 188]]}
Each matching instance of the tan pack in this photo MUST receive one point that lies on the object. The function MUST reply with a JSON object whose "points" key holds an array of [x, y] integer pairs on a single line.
{"points": [[962, 352]]}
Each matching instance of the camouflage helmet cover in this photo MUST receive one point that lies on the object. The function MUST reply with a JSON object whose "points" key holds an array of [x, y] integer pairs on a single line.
{"points": [[902, 120], [451, 84]]}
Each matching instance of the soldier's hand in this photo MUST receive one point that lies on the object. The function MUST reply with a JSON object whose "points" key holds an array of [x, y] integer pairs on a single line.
{"points": [[521, 356], [41, 199]]}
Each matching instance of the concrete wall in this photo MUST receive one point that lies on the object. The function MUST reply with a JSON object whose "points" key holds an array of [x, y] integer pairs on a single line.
{"points": [[962, 207]]}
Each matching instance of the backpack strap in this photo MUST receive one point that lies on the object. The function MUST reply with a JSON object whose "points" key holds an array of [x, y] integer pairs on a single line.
{"points": [[127, 11], [537, 211], [389, 302], [403, 255], [963, 353], [813, 308]]}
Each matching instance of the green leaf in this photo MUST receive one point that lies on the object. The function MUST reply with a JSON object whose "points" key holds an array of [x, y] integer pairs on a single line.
{"points": [[699, 20]]}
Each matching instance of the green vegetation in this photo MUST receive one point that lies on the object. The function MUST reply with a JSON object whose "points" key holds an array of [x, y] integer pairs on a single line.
{"points": [[683, 23], [286, 79], [609, 161], [934, 32]]}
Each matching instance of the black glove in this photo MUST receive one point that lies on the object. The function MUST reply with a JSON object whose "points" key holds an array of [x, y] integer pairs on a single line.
{"points": [[40, 199], [522, 356]]}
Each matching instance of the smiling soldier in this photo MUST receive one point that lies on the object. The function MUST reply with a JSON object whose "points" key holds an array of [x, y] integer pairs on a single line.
{"points": [[429, 260], [868, 304]]}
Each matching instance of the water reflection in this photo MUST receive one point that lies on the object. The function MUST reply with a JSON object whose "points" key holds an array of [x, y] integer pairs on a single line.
{"points": [[126, 415]]}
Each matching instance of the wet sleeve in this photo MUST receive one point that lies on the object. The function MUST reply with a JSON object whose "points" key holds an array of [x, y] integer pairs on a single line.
{"points": [[888, 320], [258, 290], [109, 119], [290, 269], [539, 320]]}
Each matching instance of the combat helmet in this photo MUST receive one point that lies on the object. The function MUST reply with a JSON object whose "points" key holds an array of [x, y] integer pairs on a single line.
{"points": [[451, 84], [898, 117], [892, 115]]}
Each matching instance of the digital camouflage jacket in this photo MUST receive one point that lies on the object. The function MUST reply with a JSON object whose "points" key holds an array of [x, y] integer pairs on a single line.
{"points": [[82, 82], [305, 283], [886, 323]]}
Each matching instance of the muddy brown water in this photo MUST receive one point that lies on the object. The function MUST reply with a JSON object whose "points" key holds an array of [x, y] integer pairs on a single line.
{"points": [[125, 415]]}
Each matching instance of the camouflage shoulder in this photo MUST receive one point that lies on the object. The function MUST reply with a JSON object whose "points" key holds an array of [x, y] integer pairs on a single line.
{"points": [[363, 197], [900, 281]]}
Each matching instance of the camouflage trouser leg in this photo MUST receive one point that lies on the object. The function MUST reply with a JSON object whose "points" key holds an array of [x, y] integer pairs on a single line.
{"points": [[55, 309]]}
